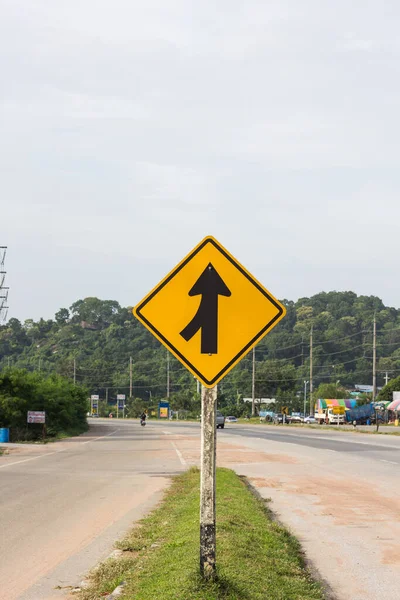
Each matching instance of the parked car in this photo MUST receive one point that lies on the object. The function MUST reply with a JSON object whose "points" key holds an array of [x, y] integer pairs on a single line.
{"points": [[310, 420], [279, 419], [297, 418], [220, 420], [230, 419]]}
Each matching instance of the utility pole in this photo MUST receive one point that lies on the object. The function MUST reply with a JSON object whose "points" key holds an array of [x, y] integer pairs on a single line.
{"points": [[305, 398], [311, 373], [74, 371], [374, 363], [130, 377], [167, 374], [253, 386], [207, 482], [107, 395]]}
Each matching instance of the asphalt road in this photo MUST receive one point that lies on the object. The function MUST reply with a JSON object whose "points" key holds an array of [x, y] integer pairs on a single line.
{"points": [[372, 446], [63, 505]]}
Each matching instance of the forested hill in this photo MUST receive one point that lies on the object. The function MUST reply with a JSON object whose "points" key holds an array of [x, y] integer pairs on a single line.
{"points": [[101, 336]]}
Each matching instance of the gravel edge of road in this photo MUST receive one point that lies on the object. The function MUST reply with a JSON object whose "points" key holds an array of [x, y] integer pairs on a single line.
{"points": [[310, 566]]}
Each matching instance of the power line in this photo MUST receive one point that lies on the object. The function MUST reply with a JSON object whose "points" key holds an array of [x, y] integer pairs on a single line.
{"points": [[334, 340], [260, 349], [345, 350], [347, 362], [328, 376], [280, 360], [388, 330]]}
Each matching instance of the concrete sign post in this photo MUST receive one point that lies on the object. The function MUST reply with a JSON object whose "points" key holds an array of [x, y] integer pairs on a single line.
{"points": [[207, 482]]}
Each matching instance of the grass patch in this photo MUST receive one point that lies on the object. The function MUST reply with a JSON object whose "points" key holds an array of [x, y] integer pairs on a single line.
{"points": [[256, 557]]}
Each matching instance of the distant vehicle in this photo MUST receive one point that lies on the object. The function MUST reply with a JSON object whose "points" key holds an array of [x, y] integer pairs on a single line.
{"points": [[220, 420], [279, 419], [297, 417], [361, 414], [230, 420], [329, 417], [267, 416], [310, 420]]}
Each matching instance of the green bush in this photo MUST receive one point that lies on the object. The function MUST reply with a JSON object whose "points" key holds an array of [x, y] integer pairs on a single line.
{"points": [[386, 394], [65, 404]]}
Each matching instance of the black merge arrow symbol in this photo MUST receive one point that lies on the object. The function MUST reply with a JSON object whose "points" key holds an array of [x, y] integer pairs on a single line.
{"points": [[209, 285]]}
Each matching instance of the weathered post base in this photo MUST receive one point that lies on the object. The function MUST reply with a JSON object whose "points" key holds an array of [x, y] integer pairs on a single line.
{"points": [[207, 551], [207, 484]]}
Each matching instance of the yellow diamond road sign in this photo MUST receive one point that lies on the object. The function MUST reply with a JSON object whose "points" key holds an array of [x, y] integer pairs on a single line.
{"points": [[209, 311]]}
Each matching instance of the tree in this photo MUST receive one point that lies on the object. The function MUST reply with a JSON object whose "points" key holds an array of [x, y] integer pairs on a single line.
{"points": [[65, 404], [386, 393], [329, 391], [62, 316], [94, 311], [109, 335]]}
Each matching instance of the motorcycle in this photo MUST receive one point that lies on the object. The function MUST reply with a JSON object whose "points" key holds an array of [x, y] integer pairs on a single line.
{"points": [[143, 422]]}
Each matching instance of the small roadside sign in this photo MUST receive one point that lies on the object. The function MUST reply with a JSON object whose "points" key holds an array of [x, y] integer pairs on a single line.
{"points": [[163, 410], [94, 401], [121, 404], [36, 416], [209, 311], [284, 410]]}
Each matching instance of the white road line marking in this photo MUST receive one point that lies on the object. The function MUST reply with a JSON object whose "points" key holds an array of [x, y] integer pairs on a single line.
{"points": [[183, 461], [167, 432], [389, 461], [56, 451], [99, 438], [32, 458], [329, 450]]}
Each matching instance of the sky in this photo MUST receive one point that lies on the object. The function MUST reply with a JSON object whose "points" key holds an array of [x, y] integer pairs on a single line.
{"points": [[132, 129]]}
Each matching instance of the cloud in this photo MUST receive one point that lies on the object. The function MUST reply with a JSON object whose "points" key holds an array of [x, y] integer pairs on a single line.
{"points": [[130, 132]]}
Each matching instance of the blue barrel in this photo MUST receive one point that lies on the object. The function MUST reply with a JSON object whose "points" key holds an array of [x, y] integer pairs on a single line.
{"points": [[4, 435]]}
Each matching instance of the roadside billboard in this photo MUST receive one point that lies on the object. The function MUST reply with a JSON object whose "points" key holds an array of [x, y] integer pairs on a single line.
{"points": [[163, 410], [94, 401], [121, 401], [36, 416]]}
